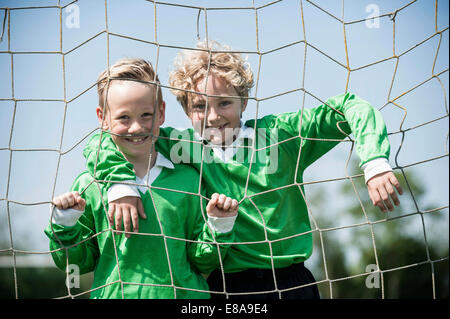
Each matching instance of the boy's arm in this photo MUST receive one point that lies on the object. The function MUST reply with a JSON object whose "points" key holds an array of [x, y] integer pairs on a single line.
{"points": [[204, 253], [106, 163], [323, 127], [373, 148], [70, 235]]}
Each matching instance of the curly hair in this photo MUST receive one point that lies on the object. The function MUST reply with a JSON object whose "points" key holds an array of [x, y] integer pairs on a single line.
{"points": [[127, 68], [191, 66]]}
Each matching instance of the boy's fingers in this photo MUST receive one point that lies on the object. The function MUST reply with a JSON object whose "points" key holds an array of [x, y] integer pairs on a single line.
{"points": [[221, 201], [210, 206], [377, 201], [371, 196], [118, 218], [71, 199], [81, 202], [74, 196], [234, 205], [392, 193], [141, 209], [78, 201], [64, 202], [374, 196], [227, 203], [57, 202], [111, 210], [126, 221], [134, 219], [385, 197], [213, 201], [384, 200], [396, 184], [381, 206], [215, 198]]}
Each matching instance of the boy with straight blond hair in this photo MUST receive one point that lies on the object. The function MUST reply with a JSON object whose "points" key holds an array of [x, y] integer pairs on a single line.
{"points": [[172, 245], [273, 232]]}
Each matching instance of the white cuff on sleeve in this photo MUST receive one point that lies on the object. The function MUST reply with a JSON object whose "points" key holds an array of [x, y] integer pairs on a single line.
{"points": [[66, 217], [375, 167], [117, 191], [221, 224]]}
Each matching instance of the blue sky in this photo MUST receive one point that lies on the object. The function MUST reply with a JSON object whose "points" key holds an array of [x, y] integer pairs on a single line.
{"points": [[275, 31]]}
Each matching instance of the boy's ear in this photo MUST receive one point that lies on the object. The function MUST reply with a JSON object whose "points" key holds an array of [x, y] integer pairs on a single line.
{"points": [[103, 123], [244, 105], [162, 113]]}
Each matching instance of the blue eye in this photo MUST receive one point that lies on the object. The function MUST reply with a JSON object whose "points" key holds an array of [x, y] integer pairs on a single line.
{"points": [[198, 106], [224, 103], [123, 117]]}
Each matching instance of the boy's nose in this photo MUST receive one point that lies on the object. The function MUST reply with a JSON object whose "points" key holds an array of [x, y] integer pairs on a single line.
{"points": [[135, 127], [213, 115]]}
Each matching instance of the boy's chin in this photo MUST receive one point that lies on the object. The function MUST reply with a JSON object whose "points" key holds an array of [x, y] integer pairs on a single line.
{"points": [[220, 141], [135, 147], [217, 142]]}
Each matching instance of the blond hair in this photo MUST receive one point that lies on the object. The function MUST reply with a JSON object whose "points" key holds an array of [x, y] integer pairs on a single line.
{"points": [[192, 66], [127, 69]]}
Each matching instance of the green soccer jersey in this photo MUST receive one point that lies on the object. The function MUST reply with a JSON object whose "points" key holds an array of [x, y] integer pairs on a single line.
{"points": [[265, 173], [173, 247]]}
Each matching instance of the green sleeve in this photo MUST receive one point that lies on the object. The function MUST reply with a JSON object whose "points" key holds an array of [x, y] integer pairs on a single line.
{"points": [[204, 252], [74, 244], [179, 146], [325, 126], [105, 162]]}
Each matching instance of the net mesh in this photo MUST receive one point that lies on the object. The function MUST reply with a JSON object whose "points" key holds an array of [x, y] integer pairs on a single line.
{"points": [[202, 24]]}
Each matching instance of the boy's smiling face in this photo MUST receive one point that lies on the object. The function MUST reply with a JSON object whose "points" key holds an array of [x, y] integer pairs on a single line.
{"points": [[223, 115], [130, 111]]}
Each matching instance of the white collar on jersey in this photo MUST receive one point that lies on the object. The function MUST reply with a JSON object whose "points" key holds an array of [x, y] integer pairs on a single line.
{"points": [[153, 173], [245, 132], [162, 161]]}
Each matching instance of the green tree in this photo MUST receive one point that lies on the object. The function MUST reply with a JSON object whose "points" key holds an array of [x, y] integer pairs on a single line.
{"points": [[398, 242], [25, 282]]}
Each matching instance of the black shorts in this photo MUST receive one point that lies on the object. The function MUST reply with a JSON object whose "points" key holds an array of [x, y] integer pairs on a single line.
{"points": [[255, 280]]}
